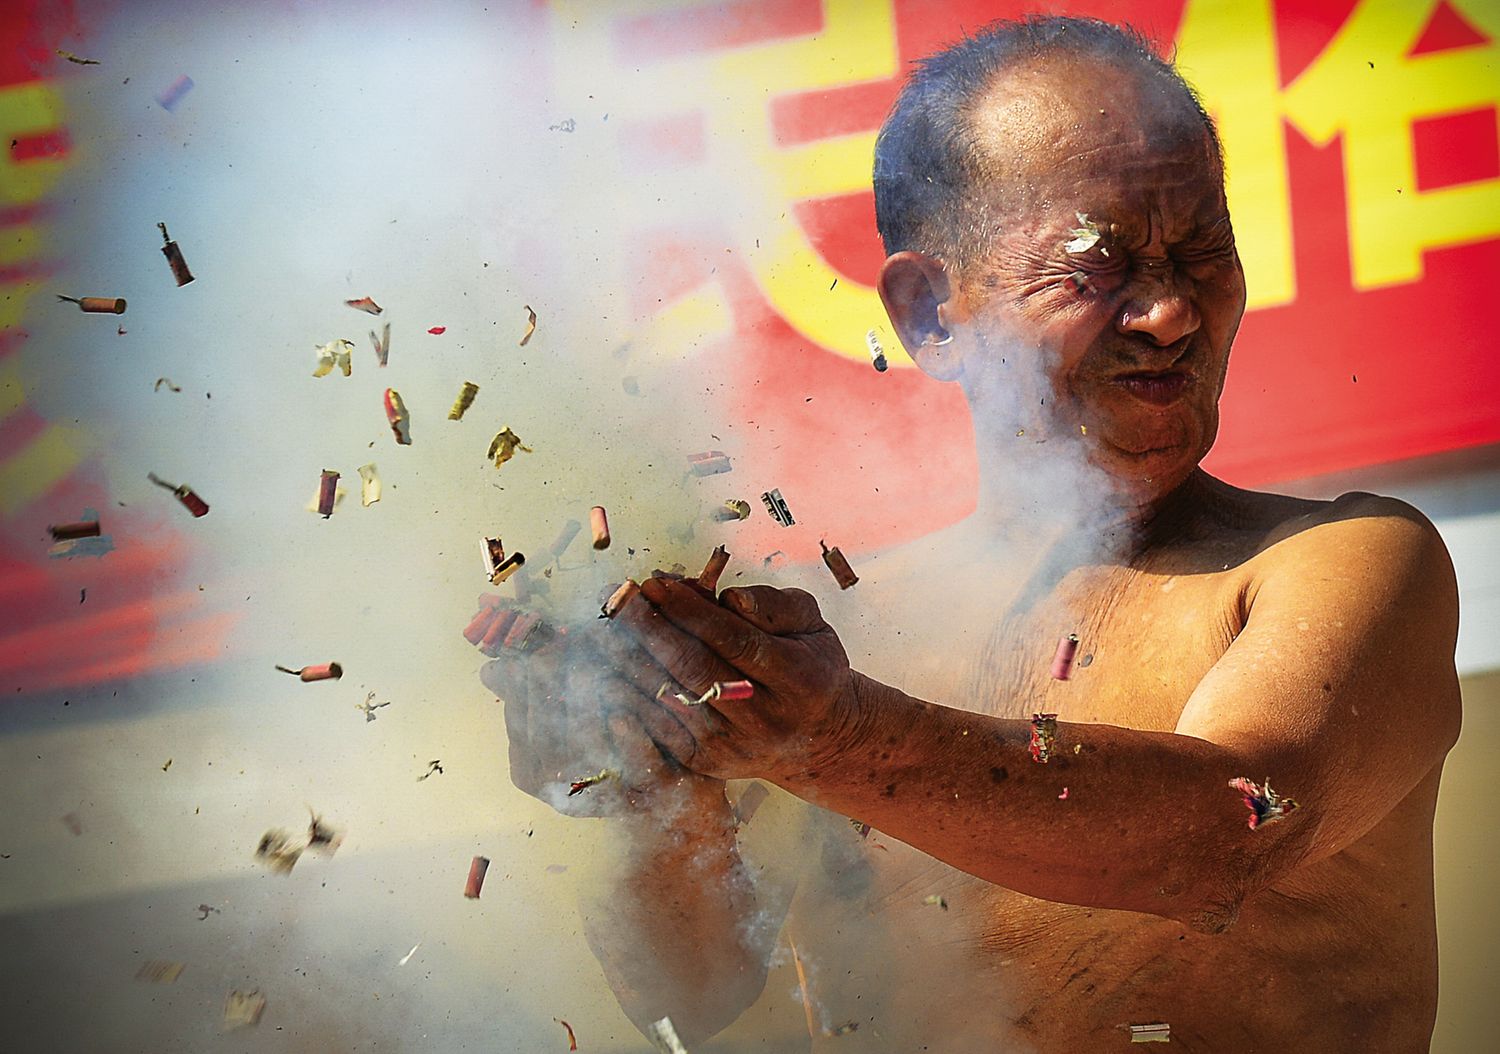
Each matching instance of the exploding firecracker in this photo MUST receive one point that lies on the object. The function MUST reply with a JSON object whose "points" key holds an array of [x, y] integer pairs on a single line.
{"points": [[1085, 236], [369, 485], [530, 325], [619, 598], [504, 446], [1265, 805], [328, 485], [327, 671], [599, 523], [1043, 737], [96, 305], [184, 494], [777, 507], [400, 420], [731, 510], [842, 572], [180, 273], [877, 353], [709, 463], [365, 304], [382, 344], [475, 882], [581, 785], [243, 1009], [1062, 659], [464, 401]]}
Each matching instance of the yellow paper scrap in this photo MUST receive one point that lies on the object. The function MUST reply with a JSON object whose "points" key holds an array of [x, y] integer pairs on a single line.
{"points": [[369, 485], [334, 354], [504, 446]]}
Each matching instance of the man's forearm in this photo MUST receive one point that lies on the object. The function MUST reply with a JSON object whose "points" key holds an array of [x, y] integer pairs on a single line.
{"points": [[1147, 823], [682, 933]]}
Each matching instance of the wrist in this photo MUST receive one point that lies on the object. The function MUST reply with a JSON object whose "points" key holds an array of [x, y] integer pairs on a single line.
{"points": [[851, 726]]}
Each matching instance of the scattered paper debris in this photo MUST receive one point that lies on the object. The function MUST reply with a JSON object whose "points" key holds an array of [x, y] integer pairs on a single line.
{"points": [[664, 1037], [369, 485], [572, 1039], [843, 574], [1077, 283], [530, 325], [433, 767], [477, 868], [167, 765], [365, 304], [170, 250], [843, 1030], [464, 401], [877, 353], [933, 900], [567, 124], [709, 463], [599, 523], [243, 1009], [368, 708], [731, 510], [334, 355], [1062, 659], [322, 838], [580, 785], [1085, 236], [497, 566], [777, 507], [438, 331], [79, 529], [163, 380], [863, 828], [328, 671], [382, 344], [97, 305], [1265, 805], [1043, 737], [184, 494], [407, 957], [327, 486], [400, 420], [1159, 1033], [174, 92], [158, 971], [279, 850], [504, 446], [75, 59], [1064, 795]]}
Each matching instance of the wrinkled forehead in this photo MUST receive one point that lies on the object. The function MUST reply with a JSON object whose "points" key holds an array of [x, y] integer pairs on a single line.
{"points": [[1064, 129]]}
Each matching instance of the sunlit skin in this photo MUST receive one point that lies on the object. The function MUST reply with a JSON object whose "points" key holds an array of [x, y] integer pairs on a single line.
{"points": [[1236, 634]]}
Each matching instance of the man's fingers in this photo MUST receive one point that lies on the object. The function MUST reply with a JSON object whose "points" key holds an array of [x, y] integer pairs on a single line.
{"points": [[746, 649], [639, 756], [779, 612], [682, 654]]}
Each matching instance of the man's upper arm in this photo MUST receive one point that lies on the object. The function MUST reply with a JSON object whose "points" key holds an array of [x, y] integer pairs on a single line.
{"points": [[1341, 689]]}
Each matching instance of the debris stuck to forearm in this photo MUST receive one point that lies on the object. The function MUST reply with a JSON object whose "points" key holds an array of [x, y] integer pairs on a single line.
{"points": [[477, 868], [184, 494], [843, 574], [1043, 737], [1265, 805], [935, 901], [180, 273], [1062, 659], [334, 355], [464, 401], [581, 785]]}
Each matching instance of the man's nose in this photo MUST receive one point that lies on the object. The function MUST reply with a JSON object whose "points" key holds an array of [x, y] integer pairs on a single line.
{"points": [[1160, 310]]}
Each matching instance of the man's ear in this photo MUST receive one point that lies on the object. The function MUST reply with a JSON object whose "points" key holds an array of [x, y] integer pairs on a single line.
{"points": [[916, 292]]}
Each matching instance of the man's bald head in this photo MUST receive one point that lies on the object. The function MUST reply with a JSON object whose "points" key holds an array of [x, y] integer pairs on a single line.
{"points": [[975, 119]]}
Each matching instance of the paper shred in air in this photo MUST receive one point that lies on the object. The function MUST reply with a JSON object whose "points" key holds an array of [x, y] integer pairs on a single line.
{"points": [[334, 355], [322, 838], [530, 325], [1158, 1033], [664, 1037], [163, 380], [382, 344], [777, 507], [184, 494], [365, 304], [369, 485], [328, 671], [76, 59], [1085, 236], [327, 486], [400, 420], [1062, 659], [709, 463], [843, 574], [732, 510], [407, 957], [935, 901], [877, 353], [464, 401], [477, 868], [169, 249], [438, 331], [96, 305], [206, 910], [572, 1039], [243, 1009], [578, 786], [279, 850], [368, 707], [1265, 805], [504, 446], [1043, 737], [174, 92], [433, 768], [599, 523], [158, 971]]}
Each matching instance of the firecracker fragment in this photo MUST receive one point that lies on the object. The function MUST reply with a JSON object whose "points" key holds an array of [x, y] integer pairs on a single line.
{"points": [[708, 581], [572, 1039], [158, 971], [530, 325], [76, 59], [860, 826], [334, 355], [497, 566], [438, 331], [1157, 1033], [382, 344], [619, 598], [933, 900], [1265, 805], [1062, 659], [777, 507], [369, 485], [174, 92], [365, 304], [664, 1037], [184, 494], [279, 851], [1085, 236], [97, 305], [709, 463], [464, 401], [168, 382], [1043, 737], [733, 509], [243, 1009], [81, 529], [496, 632], [732, 691], [877, 353], [504, 446], [581, 785], [477, 868], [328, 671], [327, 490], [322, 838], [400, 420], [169, 249], [599, 523], [843, 574]]}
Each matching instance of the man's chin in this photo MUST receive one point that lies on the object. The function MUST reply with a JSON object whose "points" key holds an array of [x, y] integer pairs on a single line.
{"points": [[1145, 470]]}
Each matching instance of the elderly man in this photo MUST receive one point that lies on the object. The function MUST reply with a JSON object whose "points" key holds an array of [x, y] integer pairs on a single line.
{"points": [[1052, 201]]}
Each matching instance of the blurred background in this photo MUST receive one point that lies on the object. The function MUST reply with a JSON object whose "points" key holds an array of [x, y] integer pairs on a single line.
{"points": [[680, 191]]}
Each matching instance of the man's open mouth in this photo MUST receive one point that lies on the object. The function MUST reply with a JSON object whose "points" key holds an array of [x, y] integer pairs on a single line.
{"points": [[1160, 388]]}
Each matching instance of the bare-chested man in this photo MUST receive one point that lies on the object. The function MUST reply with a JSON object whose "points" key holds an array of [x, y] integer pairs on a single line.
{"points": [[1052, 201]]}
